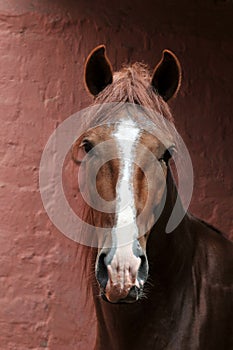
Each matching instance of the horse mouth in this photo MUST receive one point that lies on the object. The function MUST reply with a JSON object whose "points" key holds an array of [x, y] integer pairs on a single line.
{"points": [[133, 296]]}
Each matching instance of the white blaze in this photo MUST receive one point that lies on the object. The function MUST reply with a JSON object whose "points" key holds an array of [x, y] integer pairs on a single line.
{"points": [[125, 230]]}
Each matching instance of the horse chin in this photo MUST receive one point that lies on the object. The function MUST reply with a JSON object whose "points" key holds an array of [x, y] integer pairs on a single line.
{"points": [[131, 298]]}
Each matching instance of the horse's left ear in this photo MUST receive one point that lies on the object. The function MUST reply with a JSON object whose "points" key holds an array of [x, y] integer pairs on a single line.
{"points": [[166, 77], [98, 71]]}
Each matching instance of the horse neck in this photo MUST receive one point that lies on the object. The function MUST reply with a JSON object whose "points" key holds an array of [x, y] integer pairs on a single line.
{"points": [[170, 254]]}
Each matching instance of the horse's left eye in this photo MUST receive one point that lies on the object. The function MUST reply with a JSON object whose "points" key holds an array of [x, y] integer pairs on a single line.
{"points": [[87, 145], [166, 156]]}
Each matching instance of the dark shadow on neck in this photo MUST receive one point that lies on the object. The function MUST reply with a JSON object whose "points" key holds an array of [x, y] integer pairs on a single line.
{"points": [[170, 254]]}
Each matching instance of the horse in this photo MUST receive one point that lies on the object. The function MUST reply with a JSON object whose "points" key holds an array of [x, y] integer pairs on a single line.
{"points": [[151, 290]]}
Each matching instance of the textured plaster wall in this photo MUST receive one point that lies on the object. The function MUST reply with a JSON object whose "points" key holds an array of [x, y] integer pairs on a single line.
{"points": [[43, 48]]}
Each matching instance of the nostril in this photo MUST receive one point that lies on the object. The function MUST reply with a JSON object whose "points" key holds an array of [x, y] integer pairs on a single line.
{"points": [[143, 269], [101, 271]]}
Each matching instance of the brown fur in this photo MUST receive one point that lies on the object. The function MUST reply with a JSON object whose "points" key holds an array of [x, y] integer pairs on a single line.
{"points": [[189, 295]]}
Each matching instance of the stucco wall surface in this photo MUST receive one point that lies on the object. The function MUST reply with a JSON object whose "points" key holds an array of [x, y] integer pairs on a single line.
{"points": [[43, 49]]}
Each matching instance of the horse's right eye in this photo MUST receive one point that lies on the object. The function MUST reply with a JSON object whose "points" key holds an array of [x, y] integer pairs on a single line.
{"points": [[87, 146]]}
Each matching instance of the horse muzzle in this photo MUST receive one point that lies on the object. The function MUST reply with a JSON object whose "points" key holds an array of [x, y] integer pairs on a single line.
{"points": [[121, 276]]}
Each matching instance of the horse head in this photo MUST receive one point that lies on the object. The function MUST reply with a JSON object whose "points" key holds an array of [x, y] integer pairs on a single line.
{"points": [[131, 167]]}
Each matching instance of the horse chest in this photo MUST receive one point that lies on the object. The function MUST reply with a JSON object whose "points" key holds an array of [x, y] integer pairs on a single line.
{"points": [[144, 327]]}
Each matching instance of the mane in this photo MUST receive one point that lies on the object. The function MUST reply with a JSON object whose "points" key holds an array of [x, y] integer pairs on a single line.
{"points": [[132, 84]]}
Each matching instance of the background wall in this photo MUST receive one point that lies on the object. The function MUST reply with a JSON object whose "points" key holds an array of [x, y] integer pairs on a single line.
{"points": [[43, 47]]}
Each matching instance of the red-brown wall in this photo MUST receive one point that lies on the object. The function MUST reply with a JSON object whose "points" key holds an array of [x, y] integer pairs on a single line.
{"points": [[43, 48]]}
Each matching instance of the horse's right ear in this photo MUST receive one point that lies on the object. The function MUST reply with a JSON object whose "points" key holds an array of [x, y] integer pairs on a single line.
{"points": [[98, 71]]}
